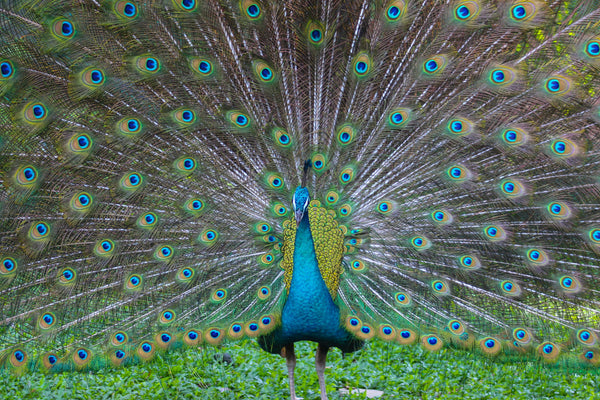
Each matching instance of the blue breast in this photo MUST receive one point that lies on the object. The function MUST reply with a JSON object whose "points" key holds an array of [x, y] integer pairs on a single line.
{"points": [[309, 312]]}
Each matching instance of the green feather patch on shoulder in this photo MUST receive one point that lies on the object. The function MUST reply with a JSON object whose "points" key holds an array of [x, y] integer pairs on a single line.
{"points": [[329, 246]]}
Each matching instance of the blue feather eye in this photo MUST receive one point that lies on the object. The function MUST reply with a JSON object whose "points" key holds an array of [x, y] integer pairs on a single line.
{"points": [[185, 165], [502, 76], [129, 127], [7, 70], [35, 113], [458, 173], [263, 71], [537, 257], [569, 284], [202, 66], [431, 342], [26, 176], [494, 233], [131, 181], [46, 321], [186, 5], [548, 351], [81, 202], [251, 9], [104, 248], [592, 48], [163, 253], [347, 175], [512, 188], [558, 210], [456, 327], [147, 64], [266, 259], [208, 236], [440, 287], [385, 207], [466, 11], [402, 299], [513, 137], [126, 10], [563, 148], [586, 337], [434, 65], [510, 288], [184, 117], [194, 206], [523, 11], [345, 134], [62, 28], [167, 317], [134, 282], [264, 292], [594, 236], [274, 181], [490, 346], [420, 242], [557, 85], [522, 336], [442, 217], [147, 221], [238, 119], [469, 262], [399, 117], [362, 65], [315, 33], [66, 276], [39, 232], [92, 77], [395, 11], [8, 267], [192, 337], [281, 137], [358, 265], [459, 127]]}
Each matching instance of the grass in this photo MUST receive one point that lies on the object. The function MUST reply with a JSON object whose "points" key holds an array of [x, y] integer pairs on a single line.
{"points": [[400, 372]]}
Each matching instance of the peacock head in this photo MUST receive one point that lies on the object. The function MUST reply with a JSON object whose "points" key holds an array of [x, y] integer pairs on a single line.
{"points": [[300, 203]]}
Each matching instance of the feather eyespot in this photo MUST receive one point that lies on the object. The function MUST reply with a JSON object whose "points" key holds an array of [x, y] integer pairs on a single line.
{"points": [[469, 262], [399, 117], [395, 10], [362, 65], [345, 134], [8, 266], [466, 11], [202, 66], [558, 210], [46, 321], [510, 288], [133, 282], [282, 138], [251, 9], [62, 28], [35, 113], [494, 233], [186, 5], [459, 127], [592, 48], [126, 10], [7, 70]]}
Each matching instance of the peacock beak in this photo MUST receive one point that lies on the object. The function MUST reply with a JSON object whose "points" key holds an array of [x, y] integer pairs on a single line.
{"points": [[299, 214]]}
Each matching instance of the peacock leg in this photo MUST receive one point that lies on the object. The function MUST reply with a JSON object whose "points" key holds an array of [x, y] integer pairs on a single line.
{"points": [[320, 361], [290, 359]]}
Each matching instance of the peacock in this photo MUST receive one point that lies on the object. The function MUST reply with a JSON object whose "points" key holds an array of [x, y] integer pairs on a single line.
{"points": [[176, 173]]}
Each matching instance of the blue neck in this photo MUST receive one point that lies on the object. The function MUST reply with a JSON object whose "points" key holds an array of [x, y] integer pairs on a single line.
{"points": [[309, 312]]}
